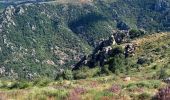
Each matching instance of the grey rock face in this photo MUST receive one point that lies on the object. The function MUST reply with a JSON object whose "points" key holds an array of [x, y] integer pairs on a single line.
{"points": [[100, 53], [167, 80], [130, 49], [104, 50]]}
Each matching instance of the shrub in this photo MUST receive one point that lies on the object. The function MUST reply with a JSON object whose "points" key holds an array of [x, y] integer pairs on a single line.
{"points": [[74, 95], [93, 84], [80, 75], [117, 50], [115, 88], [16, 85], [155, 84], [149, 84], [1, 85], [143, 60], [11, 85], [23, 85], [59, 75], [98, 95], [163, 74], [163, 94], [61, 93], [131, 87], [152, 84], [46, 93], [155, 67], [67, 74], [144, 96], [143, 84], [122, 26], [42, 82], [85, 72], [117, 61], [117, 64], [136, 33], [79, 90], [105, 70]]}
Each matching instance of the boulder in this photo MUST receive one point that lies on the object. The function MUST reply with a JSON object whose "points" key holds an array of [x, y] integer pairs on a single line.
{"points": [[127, 79], [130, 49], [167, 80]]}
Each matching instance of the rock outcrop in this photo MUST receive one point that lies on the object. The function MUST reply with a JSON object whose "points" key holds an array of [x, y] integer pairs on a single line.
{"points": [[130, 49], [100, 53], [167, 80], [105, 49]]}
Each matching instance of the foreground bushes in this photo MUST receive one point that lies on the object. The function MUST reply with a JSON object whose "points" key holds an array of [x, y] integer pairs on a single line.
{"points": [[42, 82], [14, 85], [85, 72], [46, 93], [144, 96], [144, 84], [24, 84], [163, 94]]}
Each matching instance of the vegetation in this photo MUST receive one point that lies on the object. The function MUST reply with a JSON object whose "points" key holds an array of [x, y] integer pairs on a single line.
{"points": [[162, 94], [39, 40], [110, 87]]}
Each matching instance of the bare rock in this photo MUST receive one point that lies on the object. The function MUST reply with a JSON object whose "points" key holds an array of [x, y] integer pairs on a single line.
{"points": [[167, 80], [130, 49], [127, 79]]}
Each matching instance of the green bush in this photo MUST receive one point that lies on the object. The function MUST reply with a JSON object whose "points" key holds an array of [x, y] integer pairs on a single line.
{"points": [[144, 96], [23, 85], [136, 33], [105, 70], [86, 72], [67, 74], [117, 64], [143, 60], [81, 73], [117, 50], [163, 73], [149, 84], [98, 95], [42, 82], [46, 93], [15, 85], [60, 94], [131, 87]]}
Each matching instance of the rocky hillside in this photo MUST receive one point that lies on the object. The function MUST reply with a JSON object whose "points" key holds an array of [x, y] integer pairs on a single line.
{"points": [[148, 55], [41, 39]]}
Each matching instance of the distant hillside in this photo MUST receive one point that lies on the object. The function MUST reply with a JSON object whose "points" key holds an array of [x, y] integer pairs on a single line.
{"points": [[41, 39]]}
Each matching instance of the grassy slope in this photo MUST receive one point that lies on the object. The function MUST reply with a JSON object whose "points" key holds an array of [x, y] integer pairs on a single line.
{"points": [[143, 85]]}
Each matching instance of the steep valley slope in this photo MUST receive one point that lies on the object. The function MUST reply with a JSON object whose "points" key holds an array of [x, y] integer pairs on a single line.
{"points": [[42, 39]]}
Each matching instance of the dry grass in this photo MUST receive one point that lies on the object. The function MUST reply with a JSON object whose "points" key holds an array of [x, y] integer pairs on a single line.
{"points": [[91, 89]]}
